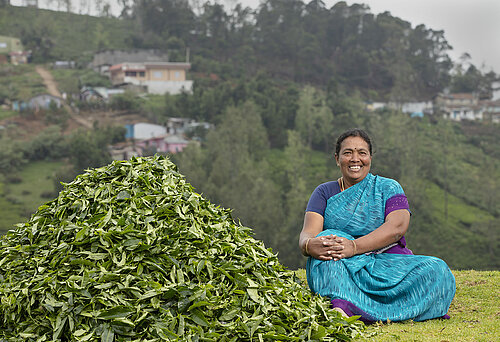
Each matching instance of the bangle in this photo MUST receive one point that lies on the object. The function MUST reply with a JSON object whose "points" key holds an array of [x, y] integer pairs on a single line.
{"points": [[355, 249], [307, 243]]}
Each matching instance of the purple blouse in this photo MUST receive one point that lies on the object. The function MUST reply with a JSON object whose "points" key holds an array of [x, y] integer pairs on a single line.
{"points": [[320, 195]]}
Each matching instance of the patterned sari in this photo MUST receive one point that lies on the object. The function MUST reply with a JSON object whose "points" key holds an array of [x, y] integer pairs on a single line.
{"points": [[378, 286]]}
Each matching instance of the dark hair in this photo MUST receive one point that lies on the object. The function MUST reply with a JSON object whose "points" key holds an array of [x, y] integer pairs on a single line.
{"points": [[356, 132]]}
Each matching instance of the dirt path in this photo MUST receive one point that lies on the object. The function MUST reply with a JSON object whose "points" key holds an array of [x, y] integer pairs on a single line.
{"points": [[48, 80], [51, 85]]}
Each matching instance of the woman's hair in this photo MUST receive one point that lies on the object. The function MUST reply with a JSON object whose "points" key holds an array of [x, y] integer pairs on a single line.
{"points": [[356, 132]]}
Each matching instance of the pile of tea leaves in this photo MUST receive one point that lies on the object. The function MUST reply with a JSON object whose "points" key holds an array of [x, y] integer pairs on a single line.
{"points": [[129, 252]]}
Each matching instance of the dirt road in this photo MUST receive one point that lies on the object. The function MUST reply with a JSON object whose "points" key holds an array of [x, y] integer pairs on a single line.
{"points": [[51, 86]]}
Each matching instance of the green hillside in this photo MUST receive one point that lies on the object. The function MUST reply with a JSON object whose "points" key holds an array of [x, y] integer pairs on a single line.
{"points": [[274, 136], [63, 36]]}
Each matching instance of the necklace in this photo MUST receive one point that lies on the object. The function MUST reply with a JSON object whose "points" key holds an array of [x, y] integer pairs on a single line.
{"points": [[341, 183]]}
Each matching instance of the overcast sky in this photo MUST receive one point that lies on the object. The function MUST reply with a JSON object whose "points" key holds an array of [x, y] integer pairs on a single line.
{"points": [[471, 26]]}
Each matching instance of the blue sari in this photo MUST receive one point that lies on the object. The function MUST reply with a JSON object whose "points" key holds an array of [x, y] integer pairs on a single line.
{"points": [[379, 286]]}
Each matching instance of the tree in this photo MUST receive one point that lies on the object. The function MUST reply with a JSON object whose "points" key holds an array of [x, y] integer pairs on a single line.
{"points": [[11, 156], [314, 118], [295, 199]]}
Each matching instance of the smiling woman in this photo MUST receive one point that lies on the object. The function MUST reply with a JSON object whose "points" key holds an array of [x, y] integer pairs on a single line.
{"points": [[354, 236]]}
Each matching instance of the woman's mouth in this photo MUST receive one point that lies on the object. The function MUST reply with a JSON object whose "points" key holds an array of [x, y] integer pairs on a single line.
{"points": [[355, 168]]}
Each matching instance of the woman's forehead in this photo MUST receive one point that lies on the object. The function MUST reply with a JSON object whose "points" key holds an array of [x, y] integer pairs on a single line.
{"points": [[355, 143]]}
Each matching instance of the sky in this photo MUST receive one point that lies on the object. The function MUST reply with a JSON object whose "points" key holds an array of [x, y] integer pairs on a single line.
{"points": [[471, 26]]}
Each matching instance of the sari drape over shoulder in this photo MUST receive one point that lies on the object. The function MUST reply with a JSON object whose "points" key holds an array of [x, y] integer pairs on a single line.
{"points": [[378, 286]]}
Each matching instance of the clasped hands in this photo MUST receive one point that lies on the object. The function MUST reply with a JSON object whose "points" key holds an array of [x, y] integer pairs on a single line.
{"points": [[330, 247]]}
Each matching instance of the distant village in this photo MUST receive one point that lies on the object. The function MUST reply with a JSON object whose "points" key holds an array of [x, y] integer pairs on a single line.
{"points": [[150, 72]]}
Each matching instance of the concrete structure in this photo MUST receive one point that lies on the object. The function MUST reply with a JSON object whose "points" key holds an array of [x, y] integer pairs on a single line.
{"points": [[185, 125], [373, 106], [43, 101], [415, 108], [10, 44], [103, 60], [12, 50], [155, 78], [143, 130], [175, 143], [90, 94], [492, 111], [459, 106]]}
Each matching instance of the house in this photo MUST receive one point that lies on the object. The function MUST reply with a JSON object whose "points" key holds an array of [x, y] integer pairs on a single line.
{"points": [[149, 146], [175, 143], [492, 111], [38, 102], [414, 108], [98, 94], [124, 151], [459, 106], [185, 125], [153, 77], [143, 130], [103, 60], [163, 144], [11, 49], [44, 101], [64, 65], [373, 106]]}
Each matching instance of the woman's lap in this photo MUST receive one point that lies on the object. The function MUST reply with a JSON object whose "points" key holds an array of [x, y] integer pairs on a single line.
{"points": [[386, 286]]}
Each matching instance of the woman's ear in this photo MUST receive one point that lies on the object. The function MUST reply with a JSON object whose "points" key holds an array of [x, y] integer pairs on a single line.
{"points": [[336, 159]]}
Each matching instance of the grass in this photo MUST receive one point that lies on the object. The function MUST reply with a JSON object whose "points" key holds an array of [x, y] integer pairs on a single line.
{"points": [[21, 82], [475, 314], [19, 200], [7, 113]]}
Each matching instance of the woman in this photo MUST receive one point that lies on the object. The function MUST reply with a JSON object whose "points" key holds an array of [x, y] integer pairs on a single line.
{"points": [[354, 236]]}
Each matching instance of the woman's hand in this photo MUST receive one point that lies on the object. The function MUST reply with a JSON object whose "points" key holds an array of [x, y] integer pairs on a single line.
{"points": [[328, 247], [348, 249]]}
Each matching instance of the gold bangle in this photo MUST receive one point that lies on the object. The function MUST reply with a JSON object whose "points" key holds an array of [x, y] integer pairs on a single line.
{"points": [[307, 243], [355, 248]]}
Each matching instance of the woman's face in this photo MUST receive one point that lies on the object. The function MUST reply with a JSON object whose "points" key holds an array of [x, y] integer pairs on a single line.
{"points": [[354, 159]]}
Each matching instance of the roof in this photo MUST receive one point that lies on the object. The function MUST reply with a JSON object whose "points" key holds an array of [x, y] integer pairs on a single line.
{"points": [[149, 65], [462, 96], [45, 95], [175, 139]]}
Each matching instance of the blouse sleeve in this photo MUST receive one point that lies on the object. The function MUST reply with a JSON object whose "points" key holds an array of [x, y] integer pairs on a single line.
{"points": [[395, 198], [317, 201]]}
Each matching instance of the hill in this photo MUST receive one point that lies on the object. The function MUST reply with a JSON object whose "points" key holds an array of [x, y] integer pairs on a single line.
{"points": [[273, 135], [54, 35]]}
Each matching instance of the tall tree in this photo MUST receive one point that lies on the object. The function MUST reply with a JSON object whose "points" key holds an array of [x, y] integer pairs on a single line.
{"points": [[314, 118]]}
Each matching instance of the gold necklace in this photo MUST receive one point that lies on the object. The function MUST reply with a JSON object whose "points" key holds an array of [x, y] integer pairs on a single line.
{"points": [[342, 187]]}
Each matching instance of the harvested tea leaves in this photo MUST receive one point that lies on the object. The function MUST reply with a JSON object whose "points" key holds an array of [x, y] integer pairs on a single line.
{"points": [[130, 252]]}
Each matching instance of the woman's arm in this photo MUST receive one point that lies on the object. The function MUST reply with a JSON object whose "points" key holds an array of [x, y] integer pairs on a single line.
{"points": [[322, 248], [392, 230]]}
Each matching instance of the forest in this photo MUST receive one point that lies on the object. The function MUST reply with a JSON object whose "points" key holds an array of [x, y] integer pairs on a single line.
{"points": [[279, 83]]}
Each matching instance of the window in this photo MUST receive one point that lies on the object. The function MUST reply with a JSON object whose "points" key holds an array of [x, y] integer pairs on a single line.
{"points": [[142, 73], [130, 73], [177, 75], [157, 74]]}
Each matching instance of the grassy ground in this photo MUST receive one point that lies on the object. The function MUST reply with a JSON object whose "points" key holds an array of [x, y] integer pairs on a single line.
{"points": [[7, 113], [475, 314], [18, 200]]}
